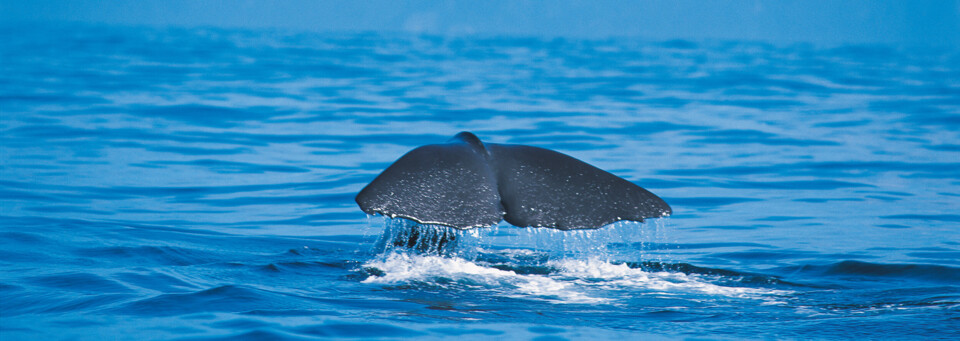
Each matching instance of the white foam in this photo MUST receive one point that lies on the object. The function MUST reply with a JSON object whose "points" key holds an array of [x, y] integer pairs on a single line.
{"points": [[612, 276], [404, 268], [577, 281]]}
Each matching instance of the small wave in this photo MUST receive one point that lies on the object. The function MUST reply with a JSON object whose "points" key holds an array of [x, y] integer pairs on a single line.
{"points": [[850, 268], [226, 298], [80, 282], [163, 255]]}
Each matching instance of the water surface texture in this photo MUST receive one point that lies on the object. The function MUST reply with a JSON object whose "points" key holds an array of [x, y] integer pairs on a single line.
{"points": [[199, 184]]}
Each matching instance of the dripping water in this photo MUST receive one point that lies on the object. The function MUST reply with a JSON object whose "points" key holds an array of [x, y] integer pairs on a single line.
{"points": [[622, 240]]}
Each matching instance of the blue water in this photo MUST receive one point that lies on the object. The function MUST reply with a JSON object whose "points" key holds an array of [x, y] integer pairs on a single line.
{"points": [[198, 184]]}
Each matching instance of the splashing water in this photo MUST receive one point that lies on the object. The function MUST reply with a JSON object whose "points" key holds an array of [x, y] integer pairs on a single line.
{"points": [[603, 243], [552, 265]]}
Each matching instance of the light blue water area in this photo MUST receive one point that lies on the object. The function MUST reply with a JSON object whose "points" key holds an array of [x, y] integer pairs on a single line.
{"points": [[199, 184]]}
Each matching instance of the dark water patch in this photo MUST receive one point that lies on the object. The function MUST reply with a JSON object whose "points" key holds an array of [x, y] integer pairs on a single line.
{"points": [[679, 44], [144, 165], [80, 282], [8, 194], [671, 315], [883, 198], [27, 257], [938, 298], [723, 276], [291, 313], [899, 194], [350, 101], [916, 109], [865, 53], [931, 116], [79, 323], [356, 330], [944, 147], [843, 124], [824, 200], [33, 157], [742, 92], [666, 102], [526, 269], [155, 281], [156, 255], [892, 226], [221, 166], [48, 98], [306, 267], [242, 324], [924, 217], [26, 238], [945, 255], [465, 331], [876, 271], [765, 104], [44, 303], [9, 287], [67, 209], [227, 298]]}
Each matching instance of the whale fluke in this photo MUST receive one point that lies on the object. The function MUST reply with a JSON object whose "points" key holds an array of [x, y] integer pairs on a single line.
{"points": [[466, 183]]}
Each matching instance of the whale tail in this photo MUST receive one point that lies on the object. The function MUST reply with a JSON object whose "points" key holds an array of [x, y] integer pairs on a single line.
{"points": [[466, 183]]}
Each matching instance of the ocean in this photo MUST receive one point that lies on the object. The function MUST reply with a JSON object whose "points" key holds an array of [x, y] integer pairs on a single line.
{"points": [[198, 184]]}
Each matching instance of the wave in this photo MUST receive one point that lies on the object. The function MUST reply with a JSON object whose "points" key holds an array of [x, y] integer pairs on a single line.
{"points": [[878, 271], [226, 298]]}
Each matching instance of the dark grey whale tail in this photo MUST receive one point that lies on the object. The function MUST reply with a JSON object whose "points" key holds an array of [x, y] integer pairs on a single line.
{"points": [[466, 183]]}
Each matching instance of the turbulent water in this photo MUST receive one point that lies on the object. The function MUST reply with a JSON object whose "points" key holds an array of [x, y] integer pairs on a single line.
{"points": [[199, 184]]}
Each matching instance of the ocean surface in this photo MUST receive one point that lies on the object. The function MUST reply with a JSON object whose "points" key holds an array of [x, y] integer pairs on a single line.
{"points": [[198, 184]]}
